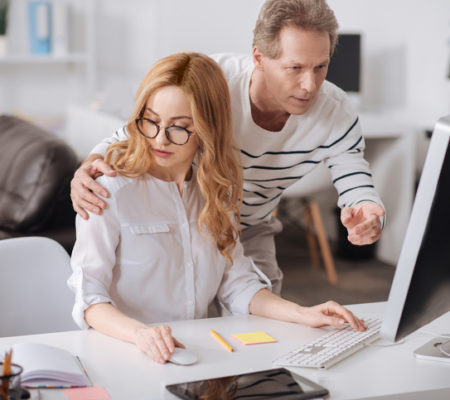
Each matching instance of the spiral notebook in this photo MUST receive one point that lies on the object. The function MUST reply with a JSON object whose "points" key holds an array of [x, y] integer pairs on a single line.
{"points": [[49, 367]]}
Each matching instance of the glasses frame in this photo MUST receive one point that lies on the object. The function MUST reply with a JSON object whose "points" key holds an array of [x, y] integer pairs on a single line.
{"points": [[166, 131]]}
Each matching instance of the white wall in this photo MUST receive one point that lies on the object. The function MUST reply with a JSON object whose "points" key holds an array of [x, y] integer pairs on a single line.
{"points": [[405, 44], [134, 34], [406, 53]]}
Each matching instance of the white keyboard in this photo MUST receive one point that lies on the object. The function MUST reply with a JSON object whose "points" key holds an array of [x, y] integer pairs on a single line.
{"points": [[332, 347]]}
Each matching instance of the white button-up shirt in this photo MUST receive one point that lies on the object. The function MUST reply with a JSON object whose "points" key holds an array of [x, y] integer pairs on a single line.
{"points": [[145, 255]]}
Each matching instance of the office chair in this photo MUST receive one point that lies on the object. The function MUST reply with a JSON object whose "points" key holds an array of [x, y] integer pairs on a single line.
{"points": [[34, 297], [305, 189]]}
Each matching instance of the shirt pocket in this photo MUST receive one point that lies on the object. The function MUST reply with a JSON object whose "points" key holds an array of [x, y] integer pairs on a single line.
{"points": [[145, 229], [145, 244]]}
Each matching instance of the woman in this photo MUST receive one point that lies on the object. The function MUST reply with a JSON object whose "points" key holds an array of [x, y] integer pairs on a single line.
{"points": [[167, 243]]}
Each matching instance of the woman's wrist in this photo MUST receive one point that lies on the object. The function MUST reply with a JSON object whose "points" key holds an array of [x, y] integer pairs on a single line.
{"points": [[299, 313], [136, 332]]}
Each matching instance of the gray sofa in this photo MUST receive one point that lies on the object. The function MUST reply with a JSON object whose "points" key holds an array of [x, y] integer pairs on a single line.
{"points": [[35, 172]]}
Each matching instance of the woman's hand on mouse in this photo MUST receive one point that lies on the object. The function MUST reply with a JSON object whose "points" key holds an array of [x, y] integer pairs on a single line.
{"points": [[157, 342]]}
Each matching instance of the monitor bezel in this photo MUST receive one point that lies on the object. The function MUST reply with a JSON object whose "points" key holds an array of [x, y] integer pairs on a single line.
{"points": [[416, 229]]}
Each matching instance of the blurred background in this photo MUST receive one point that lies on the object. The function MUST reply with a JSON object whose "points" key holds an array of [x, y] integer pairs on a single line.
{"points": [[105, 47], [73, 66]]}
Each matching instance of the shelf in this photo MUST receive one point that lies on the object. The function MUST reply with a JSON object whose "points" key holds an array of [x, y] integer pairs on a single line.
{"points": [[43, 59]]}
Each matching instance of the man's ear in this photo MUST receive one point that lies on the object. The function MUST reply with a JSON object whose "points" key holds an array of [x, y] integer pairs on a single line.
{"points": [[258, 58]]}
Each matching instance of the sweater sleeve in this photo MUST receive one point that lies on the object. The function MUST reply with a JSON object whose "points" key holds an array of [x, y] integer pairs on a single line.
{"points": [[350, 171], [119, 135]]}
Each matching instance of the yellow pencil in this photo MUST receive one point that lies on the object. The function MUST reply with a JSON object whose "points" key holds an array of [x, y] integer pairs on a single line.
{"points": [[221, 340]]}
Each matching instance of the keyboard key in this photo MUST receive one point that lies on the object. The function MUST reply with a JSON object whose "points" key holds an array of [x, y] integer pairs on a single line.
{"points": [[332, 347]]}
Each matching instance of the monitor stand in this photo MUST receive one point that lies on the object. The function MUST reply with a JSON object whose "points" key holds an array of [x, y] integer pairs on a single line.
{"points": [[437, 349]]}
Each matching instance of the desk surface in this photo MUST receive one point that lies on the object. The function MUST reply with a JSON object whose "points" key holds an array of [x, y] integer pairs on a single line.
{"points": [[126, 373]]}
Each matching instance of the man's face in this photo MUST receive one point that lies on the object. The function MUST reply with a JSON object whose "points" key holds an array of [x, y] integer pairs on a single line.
{"points": [[294, 78]]}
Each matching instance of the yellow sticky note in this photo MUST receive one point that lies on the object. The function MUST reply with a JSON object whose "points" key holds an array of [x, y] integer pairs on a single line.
{"points": [[254, 338]]}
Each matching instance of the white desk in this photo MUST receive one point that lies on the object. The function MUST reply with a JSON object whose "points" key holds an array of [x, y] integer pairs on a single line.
{"points": [[128, 374]]}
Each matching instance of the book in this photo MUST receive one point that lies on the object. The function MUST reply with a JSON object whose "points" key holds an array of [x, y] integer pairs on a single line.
{"points": [[39, 26], [48, 366], [59, 28], [254, 338]]}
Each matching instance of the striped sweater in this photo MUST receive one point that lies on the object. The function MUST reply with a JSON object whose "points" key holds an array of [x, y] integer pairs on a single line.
{"points": [[328, 132]]}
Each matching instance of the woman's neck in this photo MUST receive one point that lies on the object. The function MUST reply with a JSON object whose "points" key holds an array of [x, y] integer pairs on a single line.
{"points": [[171, 175]]}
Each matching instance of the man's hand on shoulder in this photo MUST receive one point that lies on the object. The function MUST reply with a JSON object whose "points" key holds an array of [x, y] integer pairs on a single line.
{"points": [[84, 190], [362, 222]]}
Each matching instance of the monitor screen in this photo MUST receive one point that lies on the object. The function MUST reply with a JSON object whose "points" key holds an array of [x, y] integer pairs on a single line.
{"points": [[420, 290], [345, 64]]}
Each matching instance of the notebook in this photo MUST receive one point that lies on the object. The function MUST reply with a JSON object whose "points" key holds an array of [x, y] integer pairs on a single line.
{"points": [[48, 366]]}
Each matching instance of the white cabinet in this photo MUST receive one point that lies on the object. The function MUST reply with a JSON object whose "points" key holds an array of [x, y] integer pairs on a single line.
{"points": [[79, 50]]}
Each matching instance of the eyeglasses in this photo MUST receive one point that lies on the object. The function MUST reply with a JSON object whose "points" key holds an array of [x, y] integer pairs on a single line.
{"points": [[174, 134]]}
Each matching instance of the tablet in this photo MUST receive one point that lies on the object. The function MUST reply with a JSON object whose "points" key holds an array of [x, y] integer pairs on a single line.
{"points": [[276, 383]]}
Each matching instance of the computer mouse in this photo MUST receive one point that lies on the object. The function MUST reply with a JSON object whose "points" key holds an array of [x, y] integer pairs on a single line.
{"points": [[182, 357]]}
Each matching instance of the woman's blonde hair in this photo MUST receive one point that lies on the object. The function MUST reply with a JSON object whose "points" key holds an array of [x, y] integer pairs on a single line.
{"points": [[218, 174], [306, 14]]}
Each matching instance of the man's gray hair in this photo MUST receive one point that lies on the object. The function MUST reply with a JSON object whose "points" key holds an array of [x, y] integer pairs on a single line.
{"points": [[307, 14]]}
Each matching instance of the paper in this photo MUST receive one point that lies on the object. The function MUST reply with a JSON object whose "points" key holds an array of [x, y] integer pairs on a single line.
{"points": [[87, 393], [254, 338]]}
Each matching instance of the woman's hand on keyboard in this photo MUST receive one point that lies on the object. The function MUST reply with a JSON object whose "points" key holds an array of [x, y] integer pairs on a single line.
{"points": [[330, 313]]}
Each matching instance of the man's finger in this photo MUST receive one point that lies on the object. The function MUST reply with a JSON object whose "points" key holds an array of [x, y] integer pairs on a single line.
{"points": [[92, 185], [346, 215], [87, 206], [90, 197], [83, 214], [378, 210], [351, 217], [104, 168], [366, 226], [367, 233]]}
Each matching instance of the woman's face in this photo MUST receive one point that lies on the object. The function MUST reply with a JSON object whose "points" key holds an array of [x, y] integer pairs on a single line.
{"points": [[171, 107]]}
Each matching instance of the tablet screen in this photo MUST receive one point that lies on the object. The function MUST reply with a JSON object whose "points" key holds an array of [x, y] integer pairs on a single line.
{"points": [[276, 383]]}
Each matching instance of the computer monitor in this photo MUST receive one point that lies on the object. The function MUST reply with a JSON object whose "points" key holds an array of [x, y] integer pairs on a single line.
{"points": [[420, 289], [345, 64]]}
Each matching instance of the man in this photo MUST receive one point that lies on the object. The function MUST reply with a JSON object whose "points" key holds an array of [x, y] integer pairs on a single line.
{"points": [[287, 119]]}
